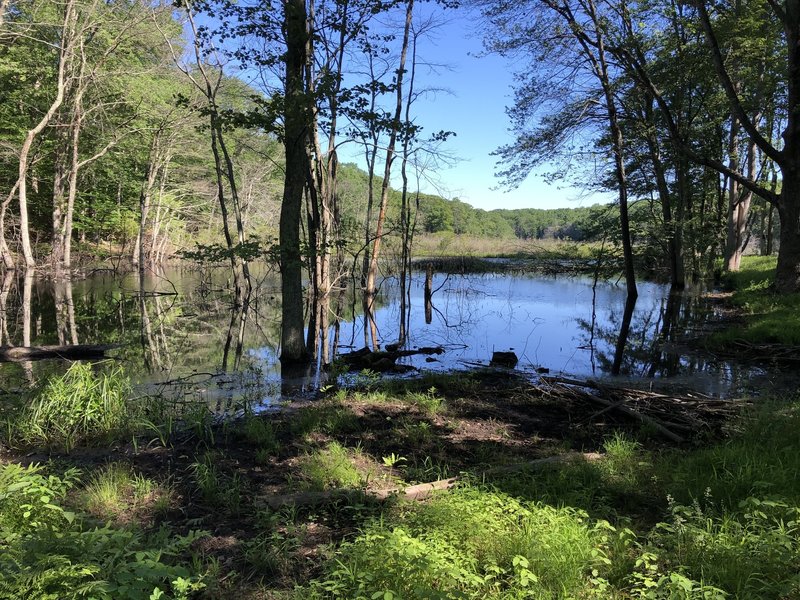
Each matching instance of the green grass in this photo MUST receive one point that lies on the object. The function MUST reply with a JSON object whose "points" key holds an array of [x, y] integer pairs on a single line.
{"points": [[709, 523], [217, 489], [769, 317], [115, 492], [260, 432], [82, 406], [328, 417], [331, 467]]}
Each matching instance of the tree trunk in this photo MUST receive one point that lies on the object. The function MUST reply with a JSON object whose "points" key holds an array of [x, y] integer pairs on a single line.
{"points": [[5, 253], [737, 217], [371, 289], [787, 275], [67, 39], [296, 133]]}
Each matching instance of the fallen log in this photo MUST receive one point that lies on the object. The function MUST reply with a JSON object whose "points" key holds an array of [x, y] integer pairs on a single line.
{"points": [[419, 491], [382, 360], [74, 352]]}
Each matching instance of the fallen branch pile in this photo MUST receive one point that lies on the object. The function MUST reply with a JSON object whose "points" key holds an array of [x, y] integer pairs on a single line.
{"points": [[665, 412]]}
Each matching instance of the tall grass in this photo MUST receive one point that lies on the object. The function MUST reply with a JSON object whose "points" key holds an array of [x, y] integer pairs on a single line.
{"points": [[769, 317], [81, 406]]}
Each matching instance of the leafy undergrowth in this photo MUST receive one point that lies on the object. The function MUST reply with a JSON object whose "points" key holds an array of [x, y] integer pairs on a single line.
{"points": [[719, 520], [722, 522], [768, 317], [49, 552]]}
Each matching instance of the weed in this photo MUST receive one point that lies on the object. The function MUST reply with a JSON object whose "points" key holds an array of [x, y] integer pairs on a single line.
{"points": [[418, 433], [80, 406], [48, 552], [260, 432], [216, 489], [427, 401], [116, 489], [474, 542], [331, 468], [427, 470], [262, 456], [327, 418]]}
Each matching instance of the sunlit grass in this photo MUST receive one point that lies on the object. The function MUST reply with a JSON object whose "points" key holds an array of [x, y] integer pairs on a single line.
{"points": [[711, 523], [331, 467], [85, 405], [769, 317], [115, 491]]}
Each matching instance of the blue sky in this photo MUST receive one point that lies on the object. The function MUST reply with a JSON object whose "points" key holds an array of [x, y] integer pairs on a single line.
{"points": [[480, 89]]}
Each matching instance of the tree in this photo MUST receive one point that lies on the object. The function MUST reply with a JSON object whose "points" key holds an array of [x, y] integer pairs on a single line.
{"points": [[571, 35]]}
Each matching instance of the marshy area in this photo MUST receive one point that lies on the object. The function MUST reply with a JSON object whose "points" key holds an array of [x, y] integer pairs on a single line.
{"points": [[472, 483]]}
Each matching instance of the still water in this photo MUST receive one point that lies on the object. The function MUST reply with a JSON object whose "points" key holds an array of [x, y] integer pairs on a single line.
{"points": [[180, 332]]}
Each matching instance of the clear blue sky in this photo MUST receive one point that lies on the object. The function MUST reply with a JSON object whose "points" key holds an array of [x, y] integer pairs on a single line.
{"points": [[480, 89]]}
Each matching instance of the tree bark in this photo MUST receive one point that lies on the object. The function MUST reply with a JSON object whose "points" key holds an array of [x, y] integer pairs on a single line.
{"points": [[65, 50], [296, 132], [371, 289]]}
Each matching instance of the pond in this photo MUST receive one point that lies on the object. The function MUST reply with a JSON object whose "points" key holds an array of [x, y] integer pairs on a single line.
{"points": [[180, 332]]}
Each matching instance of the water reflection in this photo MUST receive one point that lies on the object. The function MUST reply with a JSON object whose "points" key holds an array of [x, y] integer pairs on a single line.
{"points": [[183, 326]]}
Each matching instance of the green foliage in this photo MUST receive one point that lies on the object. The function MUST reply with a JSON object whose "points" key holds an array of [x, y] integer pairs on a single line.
{"points": [[471, 543], [82, 406], [331, 467], [47, 552], [769, 317], [217, 253]]}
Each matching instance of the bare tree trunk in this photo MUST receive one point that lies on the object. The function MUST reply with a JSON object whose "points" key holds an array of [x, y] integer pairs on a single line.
{"points": [[5, 253], [371, 290], [4, 4], [67, 40], [150, 174], [601, 71], [5, 289], [293, 349], [737, 217]]}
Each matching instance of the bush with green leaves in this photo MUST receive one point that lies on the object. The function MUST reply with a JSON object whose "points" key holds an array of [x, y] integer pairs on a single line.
{"points": [[50, 553]]}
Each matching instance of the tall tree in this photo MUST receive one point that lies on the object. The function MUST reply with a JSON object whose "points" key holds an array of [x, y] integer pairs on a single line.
{"points": [[562, 36]]}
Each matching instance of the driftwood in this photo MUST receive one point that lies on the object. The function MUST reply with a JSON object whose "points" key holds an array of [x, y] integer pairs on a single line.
{"points": [[664, 412], [382, 360], [74, 352], [419, 491]]}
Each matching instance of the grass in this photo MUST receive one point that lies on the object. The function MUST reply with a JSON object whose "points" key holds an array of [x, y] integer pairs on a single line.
{"points": [[116, 492], [49, 552], [81, 407], [769, 317], [716, 521], [331, 467], [448, 245], [216, 489], [711, 523]]}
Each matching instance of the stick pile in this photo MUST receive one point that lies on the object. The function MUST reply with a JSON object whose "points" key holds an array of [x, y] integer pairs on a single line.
{"points": [[667, 413]]}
